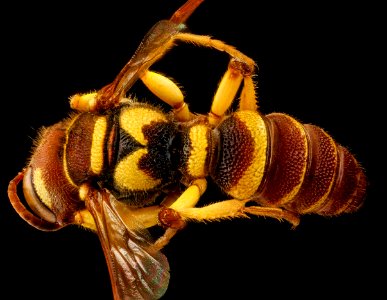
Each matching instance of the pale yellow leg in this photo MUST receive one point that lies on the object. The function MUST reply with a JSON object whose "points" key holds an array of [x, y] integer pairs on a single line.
{"points": [[220, 210], [162, 241], [84, 102], [228, 88], [189, 198], [225, 94], [149, 216], [233, 209], [240, 67], [248, 99], [168, 91]]}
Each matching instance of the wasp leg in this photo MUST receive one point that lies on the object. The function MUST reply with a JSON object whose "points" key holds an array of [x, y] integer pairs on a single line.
{"points": [[169, 217], [234, 209], [84, 102], [149, 216], [174, 218], [167, 214], [162, 241], [249, 100], [274, 212], [241, 67], [225, 94], [168, 91], [227, 89], [191, 196]]}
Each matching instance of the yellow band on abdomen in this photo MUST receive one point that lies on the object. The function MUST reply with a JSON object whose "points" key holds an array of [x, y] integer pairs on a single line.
{"points": [[198, 137], [252, 176]]}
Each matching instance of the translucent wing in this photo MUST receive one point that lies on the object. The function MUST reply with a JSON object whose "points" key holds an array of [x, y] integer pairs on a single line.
{"points": [[136, 271]]}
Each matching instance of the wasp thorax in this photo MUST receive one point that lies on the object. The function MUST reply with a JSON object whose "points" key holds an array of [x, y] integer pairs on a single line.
{"points": [[143, 153], [84, 149]]}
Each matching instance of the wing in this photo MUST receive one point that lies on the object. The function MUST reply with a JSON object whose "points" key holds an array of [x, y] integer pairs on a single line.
{"points": [[155, 44], [136, 271]]}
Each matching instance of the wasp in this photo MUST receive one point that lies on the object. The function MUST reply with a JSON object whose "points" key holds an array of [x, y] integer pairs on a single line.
{"points": [[115, 165]]}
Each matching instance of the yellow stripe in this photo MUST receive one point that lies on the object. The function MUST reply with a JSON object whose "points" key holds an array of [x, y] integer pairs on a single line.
{"points": [[97, 145], [252, 176], [128, 176], [65, 168], [133, 119], [40, 187], [198, 136]]}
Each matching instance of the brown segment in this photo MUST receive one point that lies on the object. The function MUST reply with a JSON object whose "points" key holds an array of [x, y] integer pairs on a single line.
{"points": [[78, 147], [287, 159], [236, 152], [349, 188], [320, 173], [360, 193], [111, 145]]}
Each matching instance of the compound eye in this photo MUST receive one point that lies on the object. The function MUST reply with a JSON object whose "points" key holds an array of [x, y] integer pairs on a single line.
{"points": [[33, 199]]}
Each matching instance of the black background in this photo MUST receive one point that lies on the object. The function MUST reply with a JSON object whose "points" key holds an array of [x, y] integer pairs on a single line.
{"points": [[317, 62]]}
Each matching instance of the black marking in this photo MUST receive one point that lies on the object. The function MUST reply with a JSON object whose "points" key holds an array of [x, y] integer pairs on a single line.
{"points": [[157, 163], [236, 152], [127, 144]]}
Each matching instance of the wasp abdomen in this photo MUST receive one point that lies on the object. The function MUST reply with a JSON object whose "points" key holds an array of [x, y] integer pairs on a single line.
{"points": [[308, 172], [279, 162]]}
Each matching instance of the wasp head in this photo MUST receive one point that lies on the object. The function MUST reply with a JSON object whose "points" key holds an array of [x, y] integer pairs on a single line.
{"points": [[52, 198]]}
